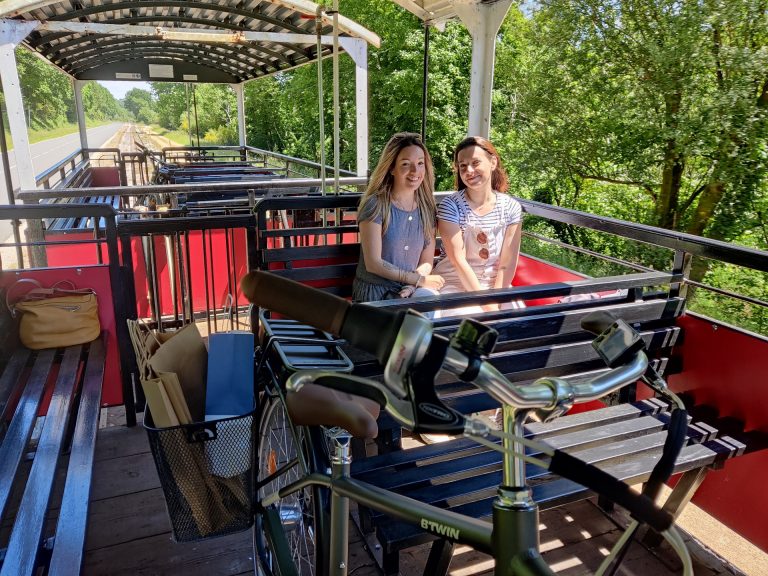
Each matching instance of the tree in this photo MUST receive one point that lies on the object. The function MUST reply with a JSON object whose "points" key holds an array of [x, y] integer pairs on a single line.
{"points": [[99, 104], [170, 103], [139, 103], [47, 92], [656, 98]]}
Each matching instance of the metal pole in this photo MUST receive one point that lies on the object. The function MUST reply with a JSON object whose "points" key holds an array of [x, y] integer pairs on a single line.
{"points": [[197, 125], [189, 120], [9, 189], [424, 85], [336, 115], [319, 31]]}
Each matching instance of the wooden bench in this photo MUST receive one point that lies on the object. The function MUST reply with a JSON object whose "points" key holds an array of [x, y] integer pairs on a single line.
{"points": [[72, 378], [50, 403], [545, 340], [321, 256]]}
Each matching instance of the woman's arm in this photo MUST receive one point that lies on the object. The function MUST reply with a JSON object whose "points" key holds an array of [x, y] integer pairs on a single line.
{"points": [[370, 243], [453, 244], [510, 252]]}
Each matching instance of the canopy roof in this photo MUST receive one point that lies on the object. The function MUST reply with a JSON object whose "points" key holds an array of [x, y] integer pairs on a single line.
{"points": [[436, 12], [202, 41]]}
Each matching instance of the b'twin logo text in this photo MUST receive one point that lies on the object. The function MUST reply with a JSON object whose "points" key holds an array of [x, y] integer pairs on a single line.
{"points": [[436, 411], [440, 529]]}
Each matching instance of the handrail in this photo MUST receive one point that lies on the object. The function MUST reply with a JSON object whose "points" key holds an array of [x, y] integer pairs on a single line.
{"points": [[300, 161], [696, 245], [184, 224], [34, 195]]}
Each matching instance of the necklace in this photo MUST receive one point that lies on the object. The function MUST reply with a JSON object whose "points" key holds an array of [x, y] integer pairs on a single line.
{"points": [[402, 207]]}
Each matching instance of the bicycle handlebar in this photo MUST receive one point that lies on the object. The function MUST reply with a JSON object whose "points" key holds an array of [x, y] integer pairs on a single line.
{"points": [[403, 342]]}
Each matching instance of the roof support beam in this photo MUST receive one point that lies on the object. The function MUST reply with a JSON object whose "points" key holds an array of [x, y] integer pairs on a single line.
{"points": [[483, 22], [77, 86], [183, 35], [13, 8], [358, 51], [12, 32]]}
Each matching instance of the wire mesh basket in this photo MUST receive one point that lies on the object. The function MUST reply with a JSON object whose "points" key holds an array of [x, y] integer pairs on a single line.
{"points": [[207, 472]]}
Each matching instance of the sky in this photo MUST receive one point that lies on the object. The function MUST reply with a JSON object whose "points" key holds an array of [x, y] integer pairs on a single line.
{"points": [[120, 88]]}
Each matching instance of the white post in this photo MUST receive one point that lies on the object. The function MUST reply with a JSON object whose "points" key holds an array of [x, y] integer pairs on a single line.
{"points": [[483, 22], [11, 34], [358, 51], [240, 93], [77, 86]]}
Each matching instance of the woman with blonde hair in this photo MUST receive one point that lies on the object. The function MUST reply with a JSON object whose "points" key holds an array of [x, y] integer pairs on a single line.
{"points": [[396, 218]]}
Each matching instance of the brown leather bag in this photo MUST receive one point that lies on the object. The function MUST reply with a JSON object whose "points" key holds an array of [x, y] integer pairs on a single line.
{"points": [[54, 317]]}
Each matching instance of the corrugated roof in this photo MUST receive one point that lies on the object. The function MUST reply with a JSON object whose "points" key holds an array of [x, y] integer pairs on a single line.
{"points": [[435, 12], [234, 40]]}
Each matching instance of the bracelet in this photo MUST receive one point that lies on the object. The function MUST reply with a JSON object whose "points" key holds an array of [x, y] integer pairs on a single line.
{"points": [[419, 280]]}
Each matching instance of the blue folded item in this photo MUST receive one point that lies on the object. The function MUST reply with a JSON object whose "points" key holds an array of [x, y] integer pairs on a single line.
{"points": [[229, 388]]}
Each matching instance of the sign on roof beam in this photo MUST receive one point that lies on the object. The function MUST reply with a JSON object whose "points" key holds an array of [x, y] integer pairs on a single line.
{"points": [[177, 34]]}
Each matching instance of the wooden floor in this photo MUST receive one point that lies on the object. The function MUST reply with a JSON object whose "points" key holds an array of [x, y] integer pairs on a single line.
{"points": [[129, 532]]}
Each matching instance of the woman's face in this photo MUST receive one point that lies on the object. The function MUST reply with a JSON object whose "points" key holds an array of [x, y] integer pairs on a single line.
{"points": [[408, 171], [475, 167]]}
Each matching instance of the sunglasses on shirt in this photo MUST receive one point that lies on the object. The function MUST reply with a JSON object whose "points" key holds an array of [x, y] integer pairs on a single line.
{"points": [[482, 238]]}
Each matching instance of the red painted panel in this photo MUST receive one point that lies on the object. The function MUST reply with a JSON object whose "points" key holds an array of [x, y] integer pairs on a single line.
{"points": [[105, 176], [531, 271], [727, 368], [208, 270], [96, 277], [216, 283]]}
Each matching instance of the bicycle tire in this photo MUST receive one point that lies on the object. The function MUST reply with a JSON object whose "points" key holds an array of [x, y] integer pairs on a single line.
{"points": [[302, 515]]}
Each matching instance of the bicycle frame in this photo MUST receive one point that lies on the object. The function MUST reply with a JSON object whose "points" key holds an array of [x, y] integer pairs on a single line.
{"points": [[512, 537]]}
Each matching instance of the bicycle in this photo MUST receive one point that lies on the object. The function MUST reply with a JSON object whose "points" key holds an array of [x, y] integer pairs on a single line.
{"points": [[303, 507]]}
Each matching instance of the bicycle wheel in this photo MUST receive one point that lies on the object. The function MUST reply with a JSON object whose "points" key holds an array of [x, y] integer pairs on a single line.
{"points": [[300, 514]]}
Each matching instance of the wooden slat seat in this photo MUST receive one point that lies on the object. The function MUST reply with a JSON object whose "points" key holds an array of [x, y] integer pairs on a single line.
{"points": [[77, 373], [624, 440]]}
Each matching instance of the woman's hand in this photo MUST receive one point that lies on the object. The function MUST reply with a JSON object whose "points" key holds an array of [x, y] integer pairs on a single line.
{"points": [[433, 281], [407, 291]]}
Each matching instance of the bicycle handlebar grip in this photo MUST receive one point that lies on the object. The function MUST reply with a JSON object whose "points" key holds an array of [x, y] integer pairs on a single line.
{"points": [[597, 322], [353, 387], [309, 305], [640, 506]]}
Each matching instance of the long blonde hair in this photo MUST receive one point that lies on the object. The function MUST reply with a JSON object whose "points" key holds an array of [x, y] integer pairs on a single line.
{"points": [[381, 182]]}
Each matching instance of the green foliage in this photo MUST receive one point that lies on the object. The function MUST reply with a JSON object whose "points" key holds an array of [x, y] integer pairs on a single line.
{"points": [[139, 103], [99, 104], [49, 99], [47, 92]]}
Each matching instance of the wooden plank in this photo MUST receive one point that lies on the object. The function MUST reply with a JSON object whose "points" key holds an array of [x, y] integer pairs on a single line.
{"points": [[10, 377], [527, 331], [28, 526], [126, 475], [160, 555], [15, 441], [132, 516], [564, 359], [73, 515], [118, 442], [340, 272], [347, 251]]}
